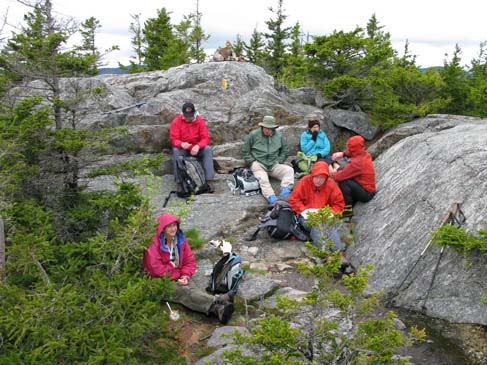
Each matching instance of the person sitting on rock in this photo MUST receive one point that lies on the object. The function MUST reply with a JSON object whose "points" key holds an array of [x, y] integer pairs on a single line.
{"points": [[265, 150], [315, 191], [170, 255], [357, 178], [314, 141], [314, 145], [189, 137]]}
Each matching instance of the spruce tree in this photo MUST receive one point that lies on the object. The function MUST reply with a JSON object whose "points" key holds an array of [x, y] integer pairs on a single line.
{"points": [[38, 52], [456, 87], [277, 40], [255, 49], [197, 37], [162, 48], [136, 62]]}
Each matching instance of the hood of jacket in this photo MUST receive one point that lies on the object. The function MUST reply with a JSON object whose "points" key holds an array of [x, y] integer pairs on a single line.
{"points": [[320, 168], [164, 220], [355, 145]]}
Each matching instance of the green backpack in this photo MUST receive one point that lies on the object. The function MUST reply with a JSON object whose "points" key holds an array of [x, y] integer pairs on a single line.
{"points": [[303, 164]]}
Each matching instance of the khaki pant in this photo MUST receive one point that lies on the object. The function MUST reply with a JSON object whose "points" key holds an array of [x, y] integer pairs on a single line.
{"points": [[281, 172], [192, 297]]}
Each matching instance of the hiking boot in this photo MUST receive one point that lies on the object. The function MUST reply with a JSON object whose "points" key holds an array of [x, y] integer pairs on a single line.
{"points": [[210, 187], [227, 297], [223, 311]]}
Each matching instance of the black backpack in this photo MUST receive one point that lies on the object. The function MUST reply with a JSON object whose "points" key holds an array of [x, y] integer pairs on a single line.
{"points": [[244, 182], [226, 274], [281, 223], [193, 178]]}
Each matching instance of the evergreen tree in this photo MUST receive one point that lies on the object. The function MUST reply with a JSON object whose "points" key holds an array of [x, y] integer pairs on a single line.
{"points": [[456, 86], [296, 47], [255, 49], [477, 98], [37, 53], [162, 47], [294, 72], [238, 47], [276, 40], [88, 31], [197, 37], [136, 62], [182, 33], [379, 50]]}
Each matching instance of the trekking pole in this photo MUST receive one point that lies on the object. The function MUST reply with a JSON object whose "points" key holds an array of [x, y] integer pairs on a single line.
{"points": [[456, 217], [445, 219], [138, 104]]}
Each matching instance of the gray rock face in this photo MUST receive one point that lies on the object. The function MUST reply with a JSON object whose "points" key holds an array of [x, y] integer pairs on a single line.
{"points": [[430, 123], [419, 179], [144, 105], [222, 335], [354, 121]]}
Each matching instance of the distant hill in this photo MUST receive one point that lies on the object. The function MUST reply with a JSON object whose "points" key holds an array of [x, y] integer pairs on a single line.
{"points": [[111, 70]]}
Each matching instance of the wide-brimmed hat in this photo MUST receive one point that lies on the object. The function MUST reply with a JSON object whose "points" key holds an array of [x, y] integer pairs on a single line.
{"points": [[269, 122]]}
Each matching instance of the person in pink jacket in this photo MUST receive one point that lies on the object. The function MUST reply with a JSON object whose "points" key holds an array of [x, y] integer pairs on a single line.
{"points": [[189, 137], [169, 255]]}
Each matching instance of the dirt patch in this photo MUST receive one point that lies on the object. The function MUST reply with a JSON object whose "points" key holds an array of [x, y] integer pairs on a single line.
{"points": [[191, 332]]}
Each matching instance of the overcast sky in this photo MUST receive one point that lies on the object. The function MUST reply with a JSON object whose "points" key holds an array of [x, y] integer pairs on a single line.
{"points": [[433, 27]]}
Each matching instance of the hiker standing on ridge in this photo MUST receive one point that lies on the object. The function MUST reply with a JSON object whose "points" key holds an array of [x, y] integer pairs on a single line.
{"points": [[169, 255], [189, 137], [315, 191], [357, 178], [265, 150]]}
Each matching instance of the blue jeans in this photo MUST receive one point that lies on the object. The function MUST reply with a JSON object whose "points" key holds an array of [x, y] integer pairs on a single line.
{"points": [[318, 238]]}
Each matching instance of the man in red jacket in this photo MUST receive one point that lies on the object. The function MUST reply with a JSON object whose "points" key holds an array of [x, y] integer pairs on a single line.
{"points": [[357, 178], [315, 191], [189, 137], [169, 255]]}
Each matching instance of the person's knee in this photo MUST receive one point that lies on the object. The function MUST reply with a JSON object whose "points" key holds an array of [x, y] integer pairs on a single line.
{"points": [[206, 153]]}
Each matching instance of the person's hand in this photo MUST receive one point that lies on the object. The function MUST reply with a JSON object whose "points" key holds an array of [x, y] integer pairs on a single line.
{"points": [[337, 156], [195, 150], [314, 135], [183, 281], [185, 145]]}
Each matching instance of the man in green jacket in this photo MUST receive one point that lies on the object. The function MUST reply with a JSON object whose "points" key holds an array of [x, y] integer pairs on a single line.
{"points": [[265, 150]]}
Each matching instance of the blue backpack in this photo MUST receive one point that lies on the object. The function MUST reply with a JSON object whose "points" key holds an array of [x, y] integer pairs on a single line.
{"points": [[226, 274]]}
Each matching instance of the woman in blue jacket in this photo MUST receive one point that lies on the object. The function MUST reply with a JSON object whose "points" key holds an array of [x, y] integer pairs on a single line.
{"points": [[314, 141], [314, 145]]}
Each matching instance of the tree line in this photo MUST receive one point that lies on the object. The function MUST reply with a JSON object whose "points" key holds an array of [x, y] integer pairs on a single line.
{"points": [[355, 70]]}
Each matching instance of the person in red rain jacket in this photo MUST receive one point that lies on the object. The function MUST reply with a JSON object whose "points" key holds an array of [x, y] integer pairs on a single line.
{"points": [[357, 178], [315, 191], [169, 255], [189, 137]]}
